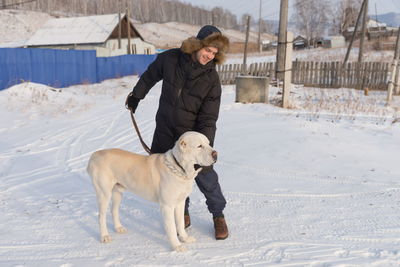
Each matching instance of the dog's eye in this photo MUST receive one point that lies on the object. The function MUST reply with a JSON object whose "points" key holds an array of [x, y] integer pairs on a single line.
{"points": [[200, 146]]}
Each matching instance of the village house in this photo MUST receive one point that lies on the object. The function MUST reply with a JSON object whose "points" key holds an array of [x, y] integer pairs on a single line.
{"points": [[300, 42], [375, 30], [106, 34], [334, 41]]}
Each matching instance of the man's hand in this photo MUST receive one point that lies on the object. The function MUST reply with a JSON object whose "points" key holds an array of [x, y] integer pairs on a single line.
{"points": [[131, 102]]}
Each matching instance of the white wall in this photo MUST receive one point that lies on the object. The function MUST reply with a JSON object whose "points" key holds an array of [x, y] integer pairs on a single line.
{"points": [[137, 45]]}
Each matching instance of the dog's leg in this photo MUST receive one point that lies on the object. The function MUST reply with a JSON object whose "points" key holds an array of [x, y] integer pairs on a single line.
{"points": [[103, 199], [180, 224], [116, 201], [170, 228]]}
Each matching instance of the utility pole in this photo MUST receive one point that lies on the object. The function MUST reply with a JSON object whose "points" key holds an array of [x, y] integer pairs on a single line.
{"points": [[397, 48], [128, 28], [397, 58], [360, 74], [287, 74], [244, 66], [259, 28], [354, 33], [363, 31], [119, 27], [280, 55]]}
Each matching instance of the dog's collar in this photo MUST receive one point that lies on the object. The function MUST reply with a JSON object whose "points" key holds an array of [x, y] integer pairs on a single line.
{"points": [[172, 163], [177, 163]]}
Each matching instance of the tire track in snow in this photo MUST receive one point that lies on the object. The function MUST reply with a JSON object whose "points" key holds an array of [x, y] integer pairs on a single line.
{"points": [[302, 227], [272, 172]]}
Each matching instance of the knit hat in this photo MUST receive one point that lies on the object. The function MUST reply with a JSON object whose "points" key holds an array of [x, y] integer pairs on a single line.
{"points": [[208, 35], [206, 31]]}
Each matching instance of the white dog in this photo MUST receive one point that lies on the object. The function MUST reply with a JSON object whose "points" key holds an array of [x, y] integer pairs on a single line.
{"points": [[164, 178]]}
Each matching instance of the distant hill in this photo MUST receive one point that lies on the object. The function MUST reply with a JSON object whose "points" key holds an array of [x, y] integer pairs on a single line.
{"points": [[391, 19]]}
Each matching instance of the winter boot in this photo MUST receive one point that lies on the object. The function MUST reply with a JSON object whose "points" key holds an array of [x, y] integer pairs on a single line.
{"points": [[221, 229], [187, 220]]}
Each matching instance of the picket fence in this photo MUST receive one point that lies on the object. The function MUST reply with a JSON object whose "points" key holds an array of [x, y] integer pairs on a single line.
{"points": [[373, 75]]}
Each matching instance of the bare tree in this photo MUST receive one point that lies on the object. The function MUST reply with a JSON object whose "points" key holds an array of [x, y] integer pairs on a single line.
{"points": [[243, 22], [345, 15], [311, 17], [142, 10]]}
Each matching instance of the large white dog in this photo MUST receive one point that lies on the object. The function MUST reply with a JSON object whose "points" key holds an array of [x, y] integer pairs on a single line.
{"points": [[164, 178]]}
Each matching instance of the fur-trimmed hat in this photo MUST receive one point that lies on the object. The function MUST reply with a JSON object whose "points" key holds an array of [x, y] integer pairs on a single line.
{"points": [[207, 36]]}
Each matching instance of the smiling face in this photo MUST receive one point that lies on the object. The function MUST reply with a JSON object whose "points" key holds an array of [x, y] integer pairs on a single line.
{"points": [[206, 54]]}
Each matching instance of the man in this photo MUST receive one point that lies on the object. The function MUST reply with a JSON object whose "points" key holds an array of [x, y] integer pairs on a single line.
{"points": [[189, 101]]}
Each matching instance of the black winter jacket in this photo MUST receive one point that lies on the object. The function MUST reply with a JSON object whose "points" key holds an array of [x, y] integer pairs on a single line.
{"points": [[190, 97]]}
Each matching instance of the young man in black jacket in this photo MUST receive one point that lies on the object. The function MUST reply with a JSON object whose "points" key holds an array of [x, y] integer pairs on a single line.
{"points": [[189, 101]]}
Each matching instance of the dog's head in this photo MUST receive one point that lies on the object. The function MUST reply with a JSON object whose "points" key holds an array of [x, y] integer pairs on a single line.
{"points": [[193, 148]]}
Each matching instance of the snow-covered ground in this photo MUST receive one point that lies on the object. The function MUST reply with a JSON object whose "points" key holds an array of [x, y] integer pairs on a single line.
{"points": [[315, 185]]}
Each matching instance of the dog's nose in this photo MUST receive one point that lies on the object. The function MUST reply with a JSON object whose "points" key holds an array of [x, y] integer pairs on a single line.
{"points": [[214, 154]]}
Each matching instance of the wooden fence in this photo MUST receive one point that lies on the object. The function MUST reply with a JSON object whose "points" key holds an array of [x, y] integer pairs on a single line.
{"points": [[373, 75]]}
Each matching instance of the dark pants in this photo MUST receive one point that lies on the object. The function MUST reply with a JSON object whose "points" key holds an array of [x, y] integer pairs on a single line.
{"points": [[209, 186]]}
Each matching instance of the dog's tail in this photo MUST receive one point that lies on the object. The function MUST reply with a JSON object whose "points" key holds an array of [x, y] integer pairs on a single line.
{"points": [[91, 161]]}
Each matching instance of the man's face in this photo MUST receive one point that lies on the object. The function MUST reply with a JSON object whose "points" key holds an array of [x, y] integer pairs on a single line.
{"points": [[206, 54]]}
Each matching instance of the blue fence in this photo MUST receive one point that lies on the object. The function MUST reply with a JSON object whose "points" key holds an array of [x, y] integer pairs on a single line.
{"points": [[61, 68]]}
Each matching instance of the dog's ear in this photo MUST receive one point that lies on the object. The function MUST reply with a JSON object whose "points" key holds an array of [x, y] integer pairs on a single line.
{"points": [[182, 144]]}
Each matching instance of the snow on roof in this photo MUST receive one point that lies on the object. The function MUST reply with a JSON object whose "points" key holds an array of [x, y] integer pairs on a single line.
{"points": [[373, 23], [78, 30]]}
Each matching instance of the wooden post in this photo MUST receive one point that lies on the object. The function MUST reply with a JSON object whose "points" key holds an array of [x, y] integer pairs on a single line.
{"points": [[354, 33], [259, 29], [119, 30], [396, 89], [287, 82], [397, 47], [397, 57], [363, 31], [128, 28], [361, 70], [244, 66], [280, 55], [391, 82]]}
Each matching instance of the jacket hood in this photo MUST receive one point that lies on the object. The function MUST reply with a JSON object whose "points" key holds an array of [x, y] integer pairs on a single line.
{"points": [[217, 40]]}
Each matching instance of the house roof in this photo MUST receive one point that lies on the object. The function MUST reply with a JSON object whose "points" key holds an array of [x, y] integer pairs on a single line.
{"points": [[373, 23], [78, 30], [370, 24]]}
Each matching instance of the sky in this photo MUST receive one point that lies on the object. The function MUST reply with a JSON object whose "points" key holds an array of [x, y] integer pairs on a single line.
{"points": [[270, 8]]}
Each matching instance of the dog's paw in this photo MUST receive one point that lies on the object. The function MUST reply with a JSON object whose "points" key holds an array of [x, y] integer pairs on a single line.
{"points": [[121, 230], [189, 239], [180, 248], [106, 239]]}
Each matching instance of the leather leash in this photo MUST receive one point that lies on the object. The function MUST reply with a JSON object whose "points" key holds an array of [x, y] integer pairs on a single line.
{"points": [[145, 147]]}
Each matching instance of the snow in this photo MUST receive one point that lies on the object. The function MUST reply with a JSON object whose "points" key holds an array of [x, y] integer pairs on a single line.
{"points": [[19, 25], [314, 185], [76, 30]]}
